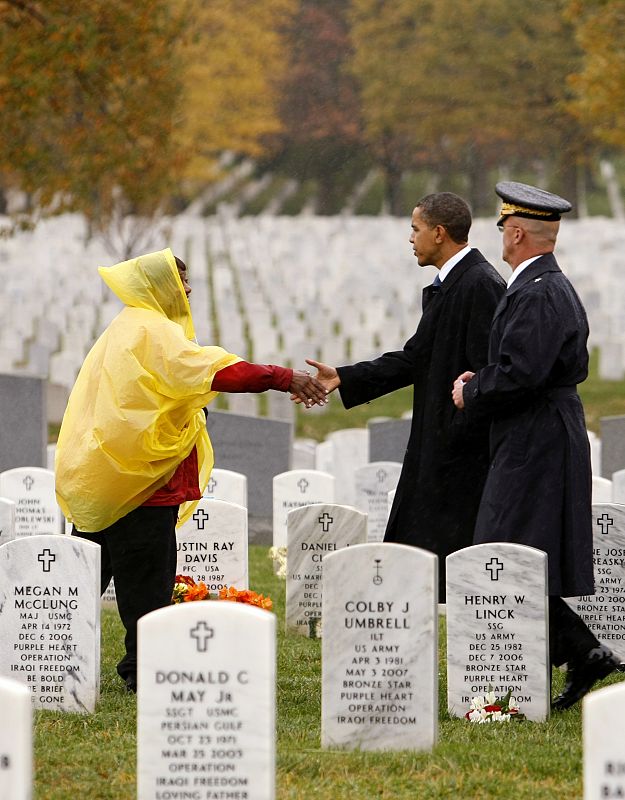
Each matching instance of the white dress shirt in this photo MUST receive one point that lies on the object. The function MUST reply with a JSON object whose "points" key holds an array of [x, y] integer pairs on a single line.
{"points": [[451, 263], [523, 265]]}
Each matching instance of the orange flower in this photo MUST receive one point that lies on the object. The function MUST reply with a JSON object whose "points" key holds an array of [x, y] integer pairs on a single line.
{"points": [[199, 592], [245, 596], [229, 593], [265, 602]]}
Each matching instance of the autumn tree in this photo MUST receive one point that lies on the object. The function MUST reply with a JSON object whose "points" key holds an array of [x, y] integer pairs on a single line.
{"points": [[110, 109], [386, 41], [235, 61], [319, 105], [88, 101], [468, 85], [599, 84]]}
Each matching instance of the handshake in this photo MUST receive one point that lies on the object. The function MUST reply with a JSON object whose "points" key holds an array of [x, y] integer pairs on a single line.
{"points": [[313, 391]]}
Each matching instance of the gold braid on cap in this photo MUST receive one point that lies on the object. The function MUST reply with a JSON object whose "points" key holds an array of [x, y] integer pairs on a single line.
{"points": [[509, 208]]}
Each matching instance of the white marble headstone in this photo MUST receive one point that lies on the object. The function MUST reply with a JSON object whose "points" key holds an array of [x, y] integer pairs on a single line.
{"points": [[50, 619], [601, 490], [603, 736], [244, 404], [314, 531], [379, 652], [32, 491], [295, 489], [303, 454], [350, 450], [373, 483], [50, 456], [212, 545], [497, 629], [16, 745], [604, 611], [7, 520], [109, 598], [206, 701], [227, 485], [390, 501], [595, 453], [618, 487], [323, 456]]}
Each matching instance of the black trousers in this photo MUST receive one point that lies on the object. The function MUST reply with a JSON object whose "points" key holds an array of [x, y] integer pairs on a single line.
{"points": [[139, 553], [569, 636]]}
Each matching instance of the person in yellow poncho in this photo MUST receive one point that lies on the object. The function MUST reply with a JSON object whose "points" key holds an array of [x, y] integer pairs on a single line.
{"points": [[133, 455]]}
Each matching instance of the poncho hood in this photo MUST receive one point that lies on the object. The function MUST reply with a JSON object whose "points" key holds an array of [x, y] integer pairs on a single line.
{"points": [[151, 282], [136, 409]]}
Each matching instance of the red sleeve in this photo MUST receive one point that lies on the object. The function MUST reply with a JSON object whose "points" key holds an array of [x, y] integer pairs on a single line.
{"points": [[183, 485], [246, 377]]}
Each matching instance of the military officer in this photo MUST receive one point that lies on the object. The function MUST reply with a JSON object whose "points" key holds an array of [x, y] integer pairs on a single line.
{"points": [[538, 489]]}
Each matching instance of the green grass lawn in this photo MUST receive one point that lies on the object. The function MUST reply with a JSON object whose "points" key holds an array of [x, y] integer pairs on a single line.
{"points": [[93, 757]]}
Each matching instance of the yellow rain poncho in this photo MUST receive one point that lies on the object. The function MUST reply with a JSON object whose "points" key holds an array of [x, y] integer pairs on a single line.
{"points": [[135, 411]]}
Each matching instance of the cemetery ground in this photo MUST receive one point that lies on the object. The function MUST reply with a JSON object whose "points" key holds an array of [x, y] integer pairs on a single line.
{"points": [[93, 756]]}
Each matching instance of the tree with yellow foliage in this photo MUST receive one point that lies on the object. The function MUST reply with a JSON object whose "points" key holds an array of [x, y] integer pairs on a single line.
{"points": [[599, 84], [235, 61], [110, 108], [468, 86], [88, 103]]}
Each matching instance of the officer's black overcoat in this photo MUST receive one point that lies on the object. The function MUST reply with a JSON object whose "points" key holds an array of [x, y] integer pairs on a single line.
{"points": [[538, 489]]}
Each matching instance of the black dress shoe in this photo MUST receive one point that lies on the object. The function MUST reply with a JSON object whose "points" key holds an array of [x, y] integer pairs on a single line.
{"points": [[131, 684], [598, 663]]}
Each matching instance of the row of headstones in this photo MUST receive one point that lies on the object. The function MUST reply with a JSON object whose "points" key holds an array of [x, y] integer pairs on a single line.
{"points": [[213, 544], [311, 302], [206, 706], [28, 503], [212, 547], [240, 443], [327, 269], [220, 559], [609, 491], [191, 237]]}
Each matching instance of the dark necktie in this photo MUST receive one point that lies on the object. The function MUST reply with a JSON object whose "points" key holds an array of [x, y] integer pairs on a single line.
{"points": [[436, 283]]}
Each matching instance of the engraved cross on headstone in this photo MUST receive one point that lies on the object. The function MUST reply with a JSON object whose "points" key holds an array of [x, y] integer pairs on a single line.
{"points": [[303, 485], [326, 520], [200, 516], [46, 558], [494, 566], [211, 484], [604, 521], [381, 475], [28, 482], [202, 633]]}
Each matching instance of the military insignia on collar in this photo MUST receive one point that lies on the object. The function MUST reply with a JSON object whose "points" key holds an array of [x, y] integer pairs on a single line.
{"points": [[537, 279]]}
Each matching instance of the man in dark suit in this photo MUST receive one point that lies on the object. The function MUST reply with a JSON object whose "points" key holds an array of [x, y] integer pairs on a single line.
{"points": [[446, 461], [538, 490]]}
